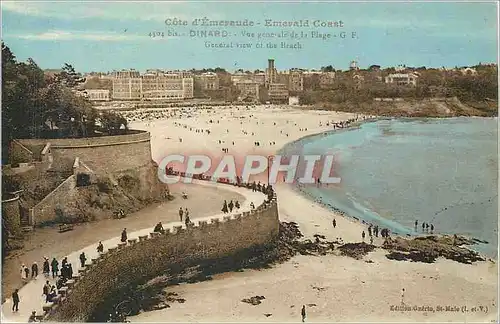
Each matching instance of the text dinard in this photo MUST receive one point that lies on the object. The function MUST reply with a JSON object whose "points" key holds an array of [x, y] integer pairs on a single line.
{"points": [[206, 22]]}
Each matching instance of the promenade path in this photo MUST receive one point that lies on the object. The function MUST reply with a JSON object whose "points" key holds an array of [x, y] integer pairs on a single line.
{"points": [[30, 295]]}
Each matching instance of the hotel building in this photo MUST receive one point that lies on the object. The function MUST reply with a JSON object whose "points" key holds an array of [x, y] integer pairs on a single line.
{"points": [[248, 90], [402, 78], [153, 85]]}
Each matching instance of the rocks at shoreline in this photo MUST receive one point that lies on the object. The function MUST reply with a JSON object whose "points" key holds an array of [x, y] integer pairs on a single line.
{"points": [[427, 249], [255, 300], [356, 250]]}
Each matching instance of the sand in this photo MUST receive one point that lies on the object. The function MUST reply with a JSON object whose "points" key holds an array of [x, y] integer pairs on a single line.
{"points": [[333, 288]]}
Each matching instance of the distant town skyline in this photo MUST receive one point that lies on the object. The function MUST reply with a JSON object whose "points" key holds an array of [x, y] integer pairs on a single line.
{"points": [[101, 37]]}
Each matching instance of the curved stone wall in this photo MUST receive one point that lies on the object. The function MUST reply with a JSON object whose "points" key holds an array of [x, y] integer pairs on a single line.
{"points": [[151, 255], [102, 154]]}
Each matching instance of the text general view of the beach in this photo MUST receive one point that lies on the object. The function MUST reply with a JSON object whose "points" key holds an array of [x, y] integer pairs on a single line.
{"points": [[237, 161]]}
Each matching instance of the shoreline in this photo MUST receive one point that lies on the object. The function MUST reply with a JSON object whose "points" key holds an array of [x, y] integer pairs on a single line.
{"points": [[338, 212], [288, 284]]}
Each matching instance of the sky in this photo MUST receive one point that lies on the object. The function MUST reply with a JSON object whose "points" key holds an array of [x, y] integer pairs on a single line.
{"points": [[106, 36]]}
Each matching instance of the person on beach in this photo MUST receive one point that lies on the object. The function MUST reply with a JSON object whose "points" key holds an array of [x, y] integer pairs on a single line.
{"points": [[124, 235], [432, 228], [416, 224], [181, 212], [363, 235], [423, 226], [370, 230], [231, 206], [371, 240], [34, 270], [252, 205], [375, 230], [334, 223], [237, 205], [427, 228], [303, 313], [70, 271], [186, 212], [100, 247], [83, 258], [15, 300], [26, 272], [188, 221], [224, 207], [64, 262]]}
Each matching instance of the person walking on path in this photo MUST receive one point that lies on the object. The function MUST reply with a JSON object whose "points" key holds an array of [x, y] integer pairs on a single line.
{"points": [[100, 247], [15, 300], [181, 212], [24, 277], [46, 289], [46, 267], [224, 208], [334, 223], [124, 235], [34, 270], [303, 313], [83, 258]]}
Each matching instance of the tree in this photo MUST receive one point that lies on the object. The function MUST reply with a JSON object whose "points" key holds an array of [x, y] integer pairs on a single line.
{"points": [[68, 76], [112, 123], [34, 106], [328, 68]]}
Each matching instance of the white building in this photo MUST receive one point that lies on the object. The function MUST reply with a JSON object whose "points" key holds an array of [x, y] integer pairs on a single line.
{"points": [[402, 78], [249, 90], [153, 85], [278, 92], [98, 94], [468, 71], [293, 101]]}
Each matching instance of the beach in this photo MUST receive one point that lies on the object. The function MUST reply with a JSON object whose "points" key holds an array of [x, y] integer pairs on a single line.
{"points": [[333, 287]]}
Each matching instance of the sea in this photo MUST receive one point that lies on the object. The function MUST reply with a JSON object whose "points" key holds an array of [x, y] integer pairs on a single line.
{"points": [[394, 172]]}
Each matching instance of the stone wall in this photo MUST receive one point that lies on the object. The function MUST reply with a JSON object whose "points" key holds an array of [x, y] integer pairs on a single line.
{"points": [[44, 211], [103, 154], [18, 153], [155, 254], [11, 214]]}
